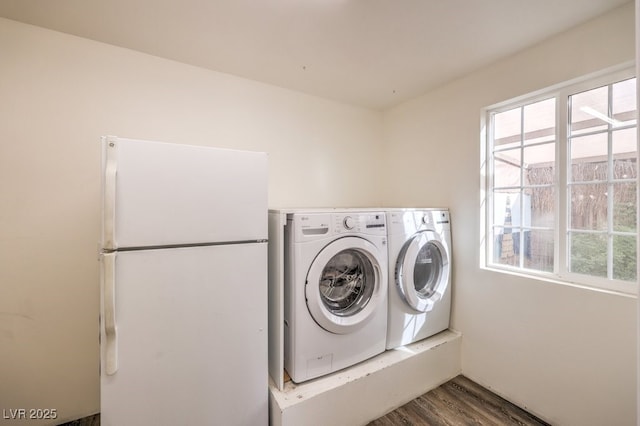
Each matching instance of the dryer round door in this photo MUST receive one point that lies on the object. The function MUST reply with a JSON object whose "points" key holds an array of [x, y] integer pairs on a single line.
{"points": [[422, 270], [345, 284]]}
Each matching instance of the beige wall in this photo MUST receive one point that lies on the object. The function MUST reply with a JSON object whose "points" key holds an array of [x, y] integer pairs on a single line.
{"points": [[58, 95], [566, 353]]}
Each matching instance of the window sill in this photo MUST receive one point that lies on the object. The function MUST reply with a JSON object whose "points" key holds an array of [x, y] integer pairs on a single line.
{"points": [[618, 288]]}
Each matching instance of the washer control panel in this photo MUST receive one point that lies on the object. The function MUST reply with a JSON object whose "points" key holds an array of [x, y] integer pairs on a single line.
{"points": [[362, 223], [313, 225]]}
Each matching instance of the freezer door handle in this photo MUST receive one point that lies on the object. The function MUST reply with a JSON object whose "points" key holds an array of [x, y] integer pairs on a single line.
{"points": [[110, 146], [109, 305]]}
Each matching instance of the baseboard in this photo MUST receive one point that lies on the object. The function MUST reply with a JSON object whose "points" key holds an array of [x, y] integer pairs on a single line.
{"points": [[370, 389]]}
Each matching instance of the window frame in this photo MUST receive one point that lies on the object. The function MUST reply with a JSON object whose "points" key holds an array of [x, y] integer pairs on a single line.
{"points": [[561, 269]]}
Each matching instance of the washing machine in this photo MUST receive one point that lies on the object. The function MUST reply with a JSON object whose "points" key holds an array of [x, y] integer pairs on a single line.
{"points": [[335, 290], [419, 274]]}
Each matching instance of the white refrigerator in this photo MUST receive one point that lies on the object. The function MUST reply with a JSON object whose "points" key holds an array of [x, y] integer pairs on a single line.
{"points": [[183, 329]]}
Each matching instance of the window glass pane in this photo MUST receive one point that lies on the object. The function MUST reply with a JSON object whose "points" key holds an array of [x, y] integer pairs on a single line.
{"points": [[624, 102], [589, 158], [507, 127], [521, 210], [624, 257], [542, 207], [589, 111], [624, 207], [588, 254], [506, 245], [503, 202], [589, 206], [496, 236], [624, 154], [540, 121], [539, 163], [506, 168], [538, 250]]}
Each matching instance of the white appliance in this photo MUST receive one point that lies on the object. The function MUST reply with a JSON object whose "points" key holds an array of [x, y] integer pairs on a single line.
{"points": [[419, 274], [335, 291], [183, 285]]}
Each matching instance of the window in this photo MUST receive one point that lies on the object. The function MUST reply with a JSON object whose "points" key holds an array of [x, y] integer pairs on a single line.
{"points": [[561, 184]]}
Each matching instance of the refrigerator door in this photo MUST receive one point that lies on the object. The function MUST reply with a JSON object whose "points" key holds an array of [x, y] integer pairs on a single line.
{"points": [[160, 194], [189, 335]]}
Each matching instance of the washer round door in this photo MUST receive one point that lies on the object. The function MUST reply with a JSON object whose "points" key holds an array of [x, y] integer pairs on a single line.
{"points": [[422, 270], [345, 285]]}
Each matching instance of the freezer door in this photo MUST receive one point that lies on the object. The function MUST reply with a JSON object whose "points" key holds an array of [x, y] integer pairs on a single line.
{"points": [[157, 194], [189, 332]]}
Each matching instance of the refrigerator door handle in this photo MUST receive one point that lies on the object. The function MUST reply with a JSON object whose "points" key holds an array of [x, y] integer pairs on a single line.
{"points": [[109, 304], [110, 145]]}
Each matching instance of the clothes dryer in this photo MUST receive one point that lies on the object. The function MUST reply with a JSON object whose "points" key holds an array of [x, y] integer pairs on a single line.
{"points": [[419, 274], [335, 297]]}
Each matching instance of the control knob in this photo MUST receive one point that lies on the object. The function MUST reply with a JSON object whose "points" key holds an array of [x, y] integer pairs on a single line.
{"points": [[348, 222]]}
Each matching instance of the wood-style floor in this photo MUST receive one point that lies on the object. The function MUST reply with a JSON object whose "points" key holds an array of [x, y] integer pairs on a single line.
{"points": [[458, 402], [85, 421]]}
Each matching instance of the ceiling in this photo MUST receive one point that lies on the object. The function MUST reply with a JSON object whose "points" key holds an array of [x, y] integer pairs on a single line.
{"points": [[371, 53]]}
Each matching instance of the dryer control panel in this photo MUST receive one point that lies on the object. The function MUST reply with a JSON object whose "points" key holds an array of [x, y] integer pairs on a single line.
{"points": [[408, 221], [314, 225]]}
